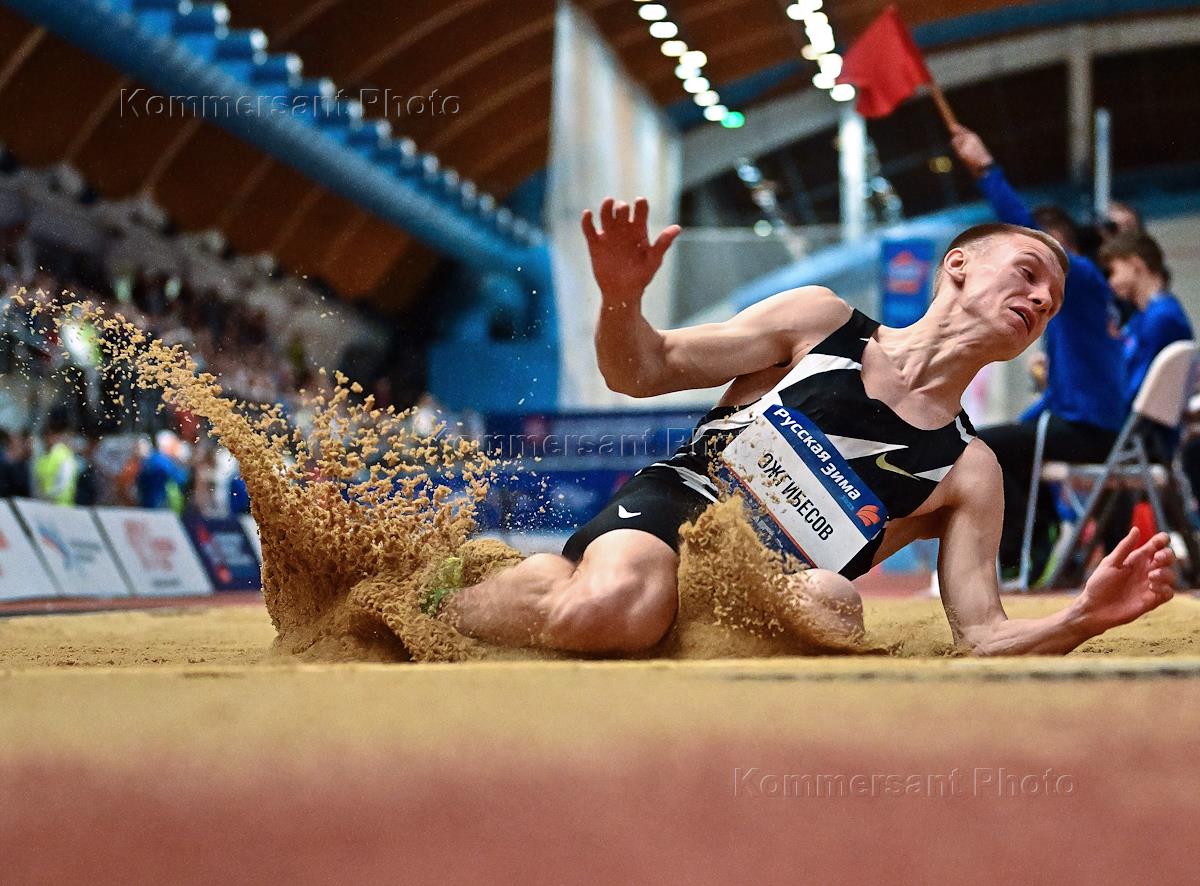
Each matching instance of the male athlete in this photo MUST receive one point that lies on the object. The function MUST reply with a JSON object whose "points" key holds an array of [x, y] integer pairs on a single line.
{"points": [[845, 438]]}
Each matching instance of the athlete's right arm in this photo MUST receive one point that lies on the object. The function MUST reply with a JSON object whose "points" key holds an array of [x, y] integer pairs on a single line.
{"points": [[641, 361]]}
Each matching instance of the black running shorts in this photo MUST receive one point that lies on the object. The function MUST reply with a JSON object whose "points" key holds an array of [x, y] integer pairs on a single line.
{"points": [[653, 500]]}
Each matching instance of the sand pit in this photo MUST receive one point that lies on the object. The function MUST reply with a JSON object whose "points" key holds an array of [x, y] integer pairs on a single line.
{"points": [[243, 636], [176, 747]]}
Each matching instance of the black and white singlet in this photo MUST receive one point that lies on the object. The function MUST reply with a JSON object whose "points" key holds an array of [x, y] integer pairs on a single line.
{"points": [[823, 466]]}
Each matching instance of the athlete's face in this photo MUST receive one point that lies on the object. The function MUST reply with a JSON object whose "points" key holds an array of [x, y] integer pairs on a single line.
{"points": [[1125, 274], [1013, 284]]}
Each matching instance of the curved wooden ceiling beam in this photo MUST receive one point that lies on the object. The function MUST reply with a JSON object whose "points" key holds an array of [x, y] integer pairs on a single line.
{"points": [[245, 190], [306, 18], [94, 117], [406, 40], [273, 197], [187, 130], [21, 55], [495, 101], [206, 167], [294, 217], [535, 29]]}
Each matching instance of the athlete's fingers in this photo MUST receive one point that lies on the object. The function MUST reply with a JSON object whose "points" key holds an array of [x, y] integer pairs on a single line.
{"points": [[1125, 547], [621, 212], [641, 212], [1147, 553], [589, 228], [606, 212], [665, 239]]}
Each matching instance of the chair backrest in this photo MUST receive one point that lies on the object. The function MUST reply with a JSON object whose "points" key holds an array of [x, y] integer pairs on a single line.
{"points": [[1167, 384]]}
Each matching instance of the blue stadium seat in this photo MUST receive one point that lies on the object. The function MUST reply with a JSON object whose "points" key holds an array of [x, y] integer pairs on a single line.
{"points": [[278, 73], [156, 17], [240, 52], [368, 137], [307, 94], [201, 27]]}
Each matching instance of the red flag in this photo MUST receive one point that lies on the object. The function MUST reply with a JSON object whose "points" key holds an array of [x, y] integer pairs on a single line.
{"points": [[884, 65]]}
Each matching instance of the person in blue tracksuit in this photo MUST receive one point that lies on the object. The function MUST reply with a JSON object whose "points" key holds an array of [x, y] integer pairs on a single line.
{"points": [[1139, 276], [1085, 371]]}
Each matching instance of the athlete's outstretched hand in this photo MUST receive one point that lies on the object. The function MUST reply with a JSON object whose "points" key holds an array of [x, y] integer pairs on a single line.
{"points": [[1129, 582], [623, 258]]}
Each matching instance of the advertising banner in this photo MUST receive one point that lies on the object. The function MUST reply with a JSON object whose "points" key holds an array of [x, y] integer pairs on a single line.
{"points": [[23, 575], [73, 549], [907, 281], [228, 556], [154, 551]]}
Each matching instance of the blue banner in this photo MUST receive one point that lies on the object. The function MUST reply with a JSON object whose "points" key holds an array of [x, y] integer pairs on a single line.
{"points": [[906, 286], [226, 553]]}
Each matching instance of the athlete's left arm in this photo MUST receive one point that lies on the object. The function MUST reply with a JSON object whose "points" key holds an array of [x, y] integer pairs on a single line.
{"points": [[1129, 582]]}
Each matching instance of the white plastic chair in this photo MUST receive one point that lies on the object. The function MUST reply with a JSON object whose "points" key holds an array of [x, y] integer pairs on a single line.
{"points": [[1160, 400]]}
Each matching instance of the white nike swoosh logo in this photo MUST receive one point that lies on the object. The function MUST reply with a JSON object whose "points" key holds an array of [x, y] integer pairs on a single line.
{"points": [[625, 515], [888, 466]]}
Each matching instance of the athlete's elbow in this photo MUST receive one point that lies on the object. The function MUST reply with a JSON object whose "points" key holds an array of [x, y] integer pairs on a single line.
{"points": [[622, 381]]}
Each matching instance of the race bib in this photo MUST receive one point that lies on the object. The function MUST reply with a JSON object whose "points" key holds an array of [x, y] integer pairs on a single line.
{"points": [[803, 497]]}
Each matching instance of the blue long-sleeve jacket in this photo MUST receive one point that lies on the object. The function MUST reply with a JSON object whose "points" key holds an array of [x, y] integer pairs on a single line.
{"points": [[1149, 331], [1086, 369]]}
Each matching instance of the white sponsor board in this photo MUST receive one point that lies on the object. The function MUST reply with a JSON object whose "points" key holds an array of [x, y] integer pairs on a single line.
{"points": [[154, 551], [73, 548], [251, 530], [23, 575]]}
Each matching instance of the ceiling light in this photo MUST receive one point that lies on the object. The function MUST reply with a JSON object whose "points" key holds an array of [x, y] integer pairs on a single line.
{"points": [[715, 113], [831, 64], [695, 58], [822, 42], [653, 12], [696, 84], [795, 13], [674, 48], [822, 80], [842, 92], [664, 30], [734, 120], [809, 53], [686, 72], [706, 99]]}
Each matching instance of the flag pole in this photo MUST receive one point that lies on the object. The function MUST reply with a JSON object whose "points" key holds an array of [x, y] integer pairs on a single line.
{"points": [[943, 106]]}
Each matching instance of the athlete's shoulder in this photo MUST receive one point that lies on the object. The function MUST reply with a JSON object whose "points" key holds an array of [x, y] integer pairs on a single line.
{"points": [[976, 476], [804, 309]]}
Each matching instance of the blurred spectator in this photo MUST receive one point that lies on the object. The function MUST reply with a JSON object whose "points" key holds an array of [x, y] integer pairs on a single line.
{"points": [[1139, 276], [161, 478], [56, 470], [87, 485], [14, 470]]}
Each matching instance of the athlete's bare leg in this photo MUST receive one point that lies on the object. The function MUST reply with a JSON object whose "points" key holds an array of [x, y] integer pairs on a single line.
{"points": [[622, 597]]}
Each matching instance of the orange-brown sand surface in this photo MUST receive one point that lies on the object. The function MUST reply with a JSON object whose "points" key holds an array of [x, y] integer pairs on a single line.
{"points": [[174, 746], [242, 635]]}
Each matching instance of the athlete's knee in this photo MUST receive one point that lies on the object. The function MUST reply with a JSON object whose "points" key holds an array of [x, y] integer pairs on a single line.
{"points": [[832, 588], [619, 612]]}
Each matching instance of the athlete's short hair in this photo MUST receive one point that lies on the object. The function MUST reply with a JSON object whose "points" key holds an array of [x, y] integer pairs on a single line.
{"points": [[1136, 244], [979, 233]]}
